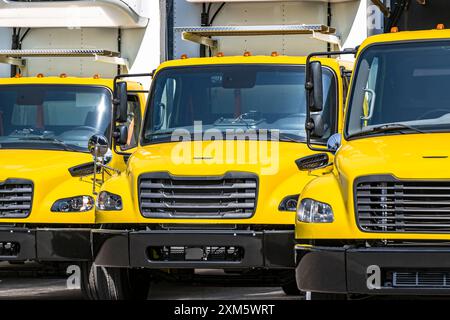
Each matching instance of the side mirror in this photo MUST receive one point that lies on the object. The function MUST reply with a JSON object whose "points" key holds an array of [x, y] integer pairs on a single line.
{"points": [[98, 146], [334, 142], [314, 87], [313, 162], [121, 102], [121, 135]]}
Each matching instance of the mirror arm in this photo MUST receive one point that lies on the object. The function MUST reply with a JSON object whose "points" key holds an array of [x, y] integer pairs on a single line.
{"points": [[117, 149], [309, 86], [136, 75], [116, 79], [99, 164]]}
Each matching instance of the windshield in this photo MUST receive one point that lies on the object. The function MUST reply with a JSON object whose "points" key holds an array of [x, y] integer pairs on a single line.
{"points": [[234, 97], [401, 88], [53, 117]]}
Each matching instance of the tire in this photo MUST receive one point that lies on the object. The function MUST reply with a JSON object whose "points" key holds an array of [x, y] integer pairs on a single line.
{"points": [[122, 283], [88, 281], [291, 289], [325, 296]]}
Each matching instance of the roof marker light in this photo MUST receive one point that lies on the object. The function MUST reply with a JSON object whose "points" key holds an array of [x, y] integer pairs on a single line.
{"points": [[63, 75], [220, 54], [440, 26], [184, 56], [40, 75], [247, 54], [274, 54], [394, 30], [96, 76]]}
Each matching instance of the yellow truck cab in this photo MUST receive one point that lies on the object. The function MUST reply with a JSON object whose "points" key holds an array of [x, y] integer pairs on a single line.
{"points": [[378, 222], [47, 192], [214, 182]]}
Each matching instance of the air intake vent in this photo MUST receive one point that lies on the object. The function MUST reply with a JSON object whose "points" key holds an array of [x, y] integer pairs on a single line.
{"points": [[421, 279], [16, 197], [384, 204], [232, 196]]}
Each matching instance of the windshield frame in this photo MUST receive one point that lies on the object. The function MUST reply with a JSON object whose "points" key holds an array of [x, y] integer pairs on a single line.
{"points": [[75, 85], [148, 115], [351, 93]]}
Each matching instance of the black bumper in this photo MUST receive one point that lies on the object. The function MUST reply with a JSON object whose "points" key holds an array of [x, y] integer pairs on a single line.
{"points": [[22, 244], [356, 270], [261, 249]]}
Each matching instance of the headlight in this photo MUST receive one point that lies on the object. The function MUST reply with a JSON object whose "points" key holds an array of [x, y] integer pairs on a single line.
{"points": [[75, 204], [109, 202], [311, 211]]}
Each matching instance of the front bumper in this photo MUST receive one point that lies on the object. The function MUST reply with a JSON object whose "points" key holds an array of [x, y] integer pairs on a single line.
{"points": [[22, 244], [258, 249], [371, 270]]}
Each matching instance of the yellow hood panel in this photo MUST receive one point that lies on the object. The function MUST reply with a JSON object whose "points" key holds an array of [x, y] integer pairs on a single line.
{"points": [[412, 156], [33, 164], [214, 158]]}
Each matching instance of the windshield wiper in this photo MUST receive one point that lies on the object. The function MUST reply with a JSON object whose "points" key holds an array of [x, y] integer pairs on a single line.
{"points": [[286, 138], [51, 140], [150, 135], [400, 127]]}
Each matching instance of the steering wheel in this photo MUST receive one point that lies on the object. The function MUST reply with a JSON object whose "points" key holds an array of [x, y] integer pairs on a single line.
{"points": [[440, 111]]}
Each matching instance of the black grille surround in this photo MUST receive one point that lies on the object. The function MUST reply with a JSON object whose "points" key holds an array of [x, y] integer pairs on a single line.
{"points": [[385, 204], [233, 195], [16, 198]]}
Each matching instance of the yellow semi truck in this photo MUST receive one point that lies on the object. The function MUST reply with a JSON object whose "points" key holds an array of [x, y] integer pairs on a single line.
{"points": [[47, 200], [378, 222], [210, 186]]}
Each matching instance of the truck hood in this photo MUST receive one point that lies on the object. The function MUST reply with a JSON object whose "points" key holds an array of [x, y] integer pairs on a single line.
{"points": [[264, 158], [272, 162], [39, 164], [408, 156]]}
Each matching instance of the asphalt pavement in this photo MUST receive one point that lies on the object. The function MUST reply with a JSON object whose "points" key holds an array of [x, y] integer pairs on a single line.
{"points": [[22, 282]]}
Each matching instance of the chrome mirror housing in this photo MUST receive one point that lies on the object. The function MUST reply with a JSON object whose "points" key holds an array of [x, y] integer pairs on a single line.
{"points": [[334, 143], [98, 146]]}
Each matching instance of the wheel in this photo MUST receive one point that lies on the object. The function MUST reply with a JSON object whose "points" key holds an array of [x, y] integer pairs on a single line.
{"points": [[291, 289], [325, 296], [88, 281], [119, 283]]}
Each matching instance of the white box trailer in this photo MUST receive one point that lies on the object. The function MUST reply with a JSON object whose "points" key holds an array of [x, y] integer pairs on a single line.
{"points": [[324, 25], [131, 28], [147, 32]]}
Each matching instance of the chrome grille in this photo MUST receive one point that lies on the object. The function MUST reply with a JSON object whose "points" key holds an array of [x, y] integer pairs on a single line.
{"points": [[384, 204], [233, 195], [16, 197], [421, 279]]}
